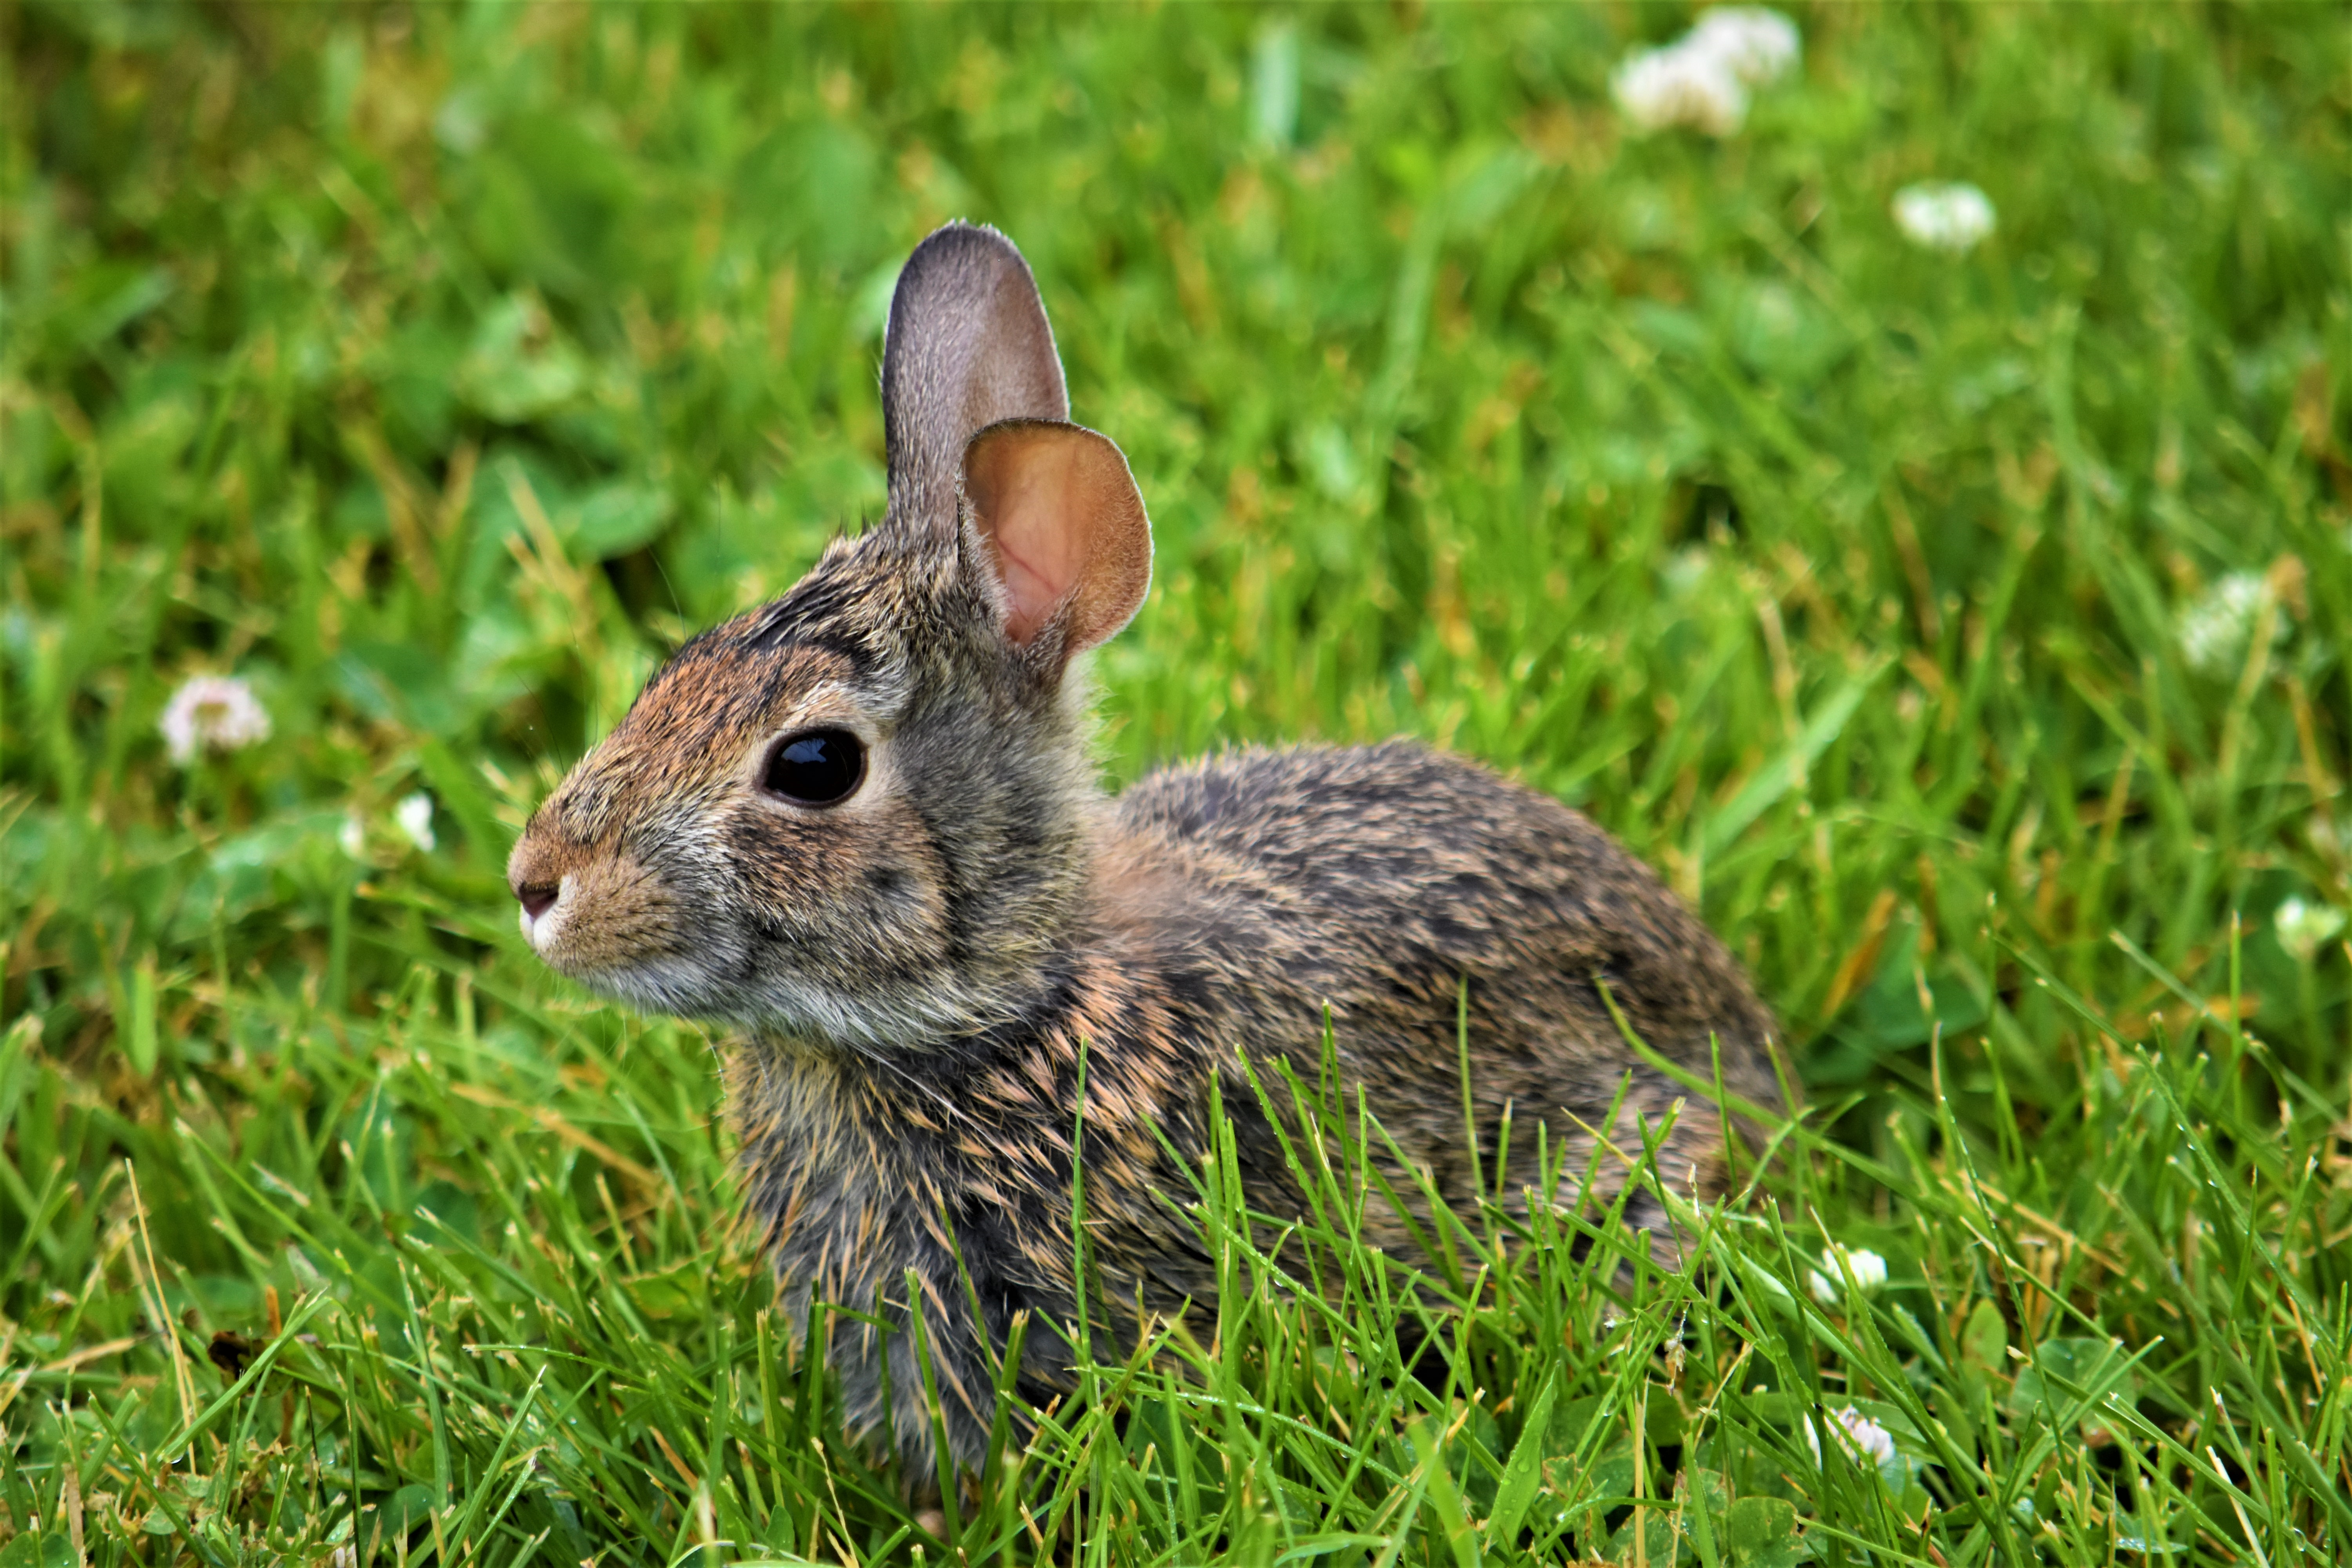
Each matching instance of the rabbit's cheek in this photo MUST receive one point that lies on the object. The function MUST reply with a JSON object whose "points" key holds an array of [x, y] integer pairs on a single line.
{"points": [[868, 881]]}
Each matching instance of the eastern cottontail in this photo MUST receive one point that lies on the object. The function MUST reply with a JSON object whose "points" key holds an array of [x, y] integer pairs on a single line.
{"points": [[863, 823]]}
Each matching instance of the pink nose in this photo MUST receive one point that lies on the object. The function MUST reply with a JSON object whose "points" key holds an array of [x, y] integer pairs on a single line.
{"points": [[536, 897]]}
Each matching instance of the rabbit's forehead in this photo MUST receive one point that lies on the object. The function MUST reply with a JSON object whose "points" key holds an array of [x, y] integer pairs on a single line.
{"points": [[713, 701]]}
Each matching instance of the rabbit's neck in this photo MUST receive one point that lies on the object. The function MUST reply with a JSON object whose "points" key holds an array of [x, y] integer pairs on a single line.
{"points": [[855, 1155]]}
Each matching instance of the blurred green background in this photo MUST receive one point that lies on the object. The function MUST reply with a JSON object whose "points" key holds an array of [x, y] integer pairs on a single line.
{"points": [[434, 370]]}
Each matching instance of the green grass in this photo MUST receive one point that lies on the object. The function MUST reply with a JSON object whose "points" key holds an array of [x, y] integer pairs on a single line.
{"points": [[434, 372]]}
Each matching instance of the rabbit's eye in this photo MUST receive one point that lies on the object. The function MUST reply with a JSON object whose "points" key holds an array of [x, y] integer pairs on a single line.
{"points": [[817, 767]]}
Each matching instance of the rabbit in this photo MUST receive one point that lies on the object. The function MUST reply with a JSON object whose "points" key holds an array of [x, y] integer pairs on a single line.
{"points": [[863, 826]]}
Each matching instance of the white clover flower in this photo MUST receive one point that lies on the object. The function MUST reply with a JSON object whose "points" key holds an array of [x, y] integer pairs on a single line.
{"points": [[1860, 1436], [415, 815], [1950, 217], [2214, 630], [1702, 77], [1756, 45], [352, 835], [1868, 1268], [2301, 927], [1679, 86], [215, 712]]}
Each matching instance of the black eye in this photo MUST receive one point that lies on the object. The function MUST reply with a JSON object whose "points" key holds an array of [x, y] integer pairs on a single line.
{"points": [[817, 767]]}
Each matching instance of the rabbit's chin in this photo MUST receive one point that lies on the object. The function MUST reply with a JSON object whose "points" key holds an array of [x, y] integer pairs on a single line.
{"points": [[679, 987], [789, 1006]]}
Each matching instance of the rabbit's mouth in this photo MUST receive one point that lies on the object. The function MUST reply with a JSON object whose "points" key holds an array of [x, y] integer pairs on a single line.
{"points": [[620, 940], [593, 915], [546, 907], [601, 917]]}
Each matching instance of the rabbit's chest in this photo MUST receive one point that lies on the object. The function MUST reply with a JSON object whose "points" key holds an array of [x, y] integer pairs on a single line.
{"points": [[847, 1210], [856, 1177]]}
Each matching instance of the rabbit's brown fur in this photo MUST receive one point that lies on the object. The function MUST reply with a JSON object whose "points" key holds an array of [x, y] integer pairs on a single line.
{"points": [[916, 968]]}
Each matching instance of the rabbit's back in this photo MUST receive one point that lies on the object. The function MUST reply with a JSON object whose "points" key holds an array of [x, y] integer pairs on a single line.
{"points": [[1395, 885]]}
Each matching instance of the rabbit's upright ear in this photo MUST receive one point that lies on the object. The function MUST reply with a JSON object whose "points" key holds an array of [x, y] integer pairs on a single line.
{"points": [[968, 346], [1057, 531]]}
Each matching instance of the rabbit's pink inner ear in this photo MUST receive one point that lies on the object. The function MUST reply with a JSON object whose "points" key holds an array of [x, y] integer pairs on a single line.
{"points": [[1062, 529]]}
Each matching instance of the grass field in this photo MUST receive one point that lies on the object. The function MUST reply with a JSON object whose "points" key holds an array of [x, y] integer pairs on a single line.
{"points": [[1964, 633]]}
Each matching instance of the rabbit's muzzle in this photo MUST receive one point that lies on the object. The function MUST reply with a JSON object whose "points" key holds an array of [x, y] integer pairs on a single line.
{"points": [[587, 909]]}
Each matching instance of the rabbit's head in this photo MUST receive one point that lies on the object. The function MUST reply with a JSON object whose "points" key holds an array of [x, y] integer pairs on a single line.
{"points": [[859, 813]]}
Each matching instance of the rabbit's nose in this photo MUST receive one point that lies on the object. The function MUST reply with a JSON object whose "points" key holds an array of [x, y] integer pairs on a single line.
{"points": [[536, 897]]}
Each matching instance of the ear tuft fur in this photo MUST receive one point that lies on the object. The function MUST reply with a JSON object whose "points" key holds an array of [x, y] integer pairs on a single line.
{"points": [[968, 346], [1057, 529]]}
